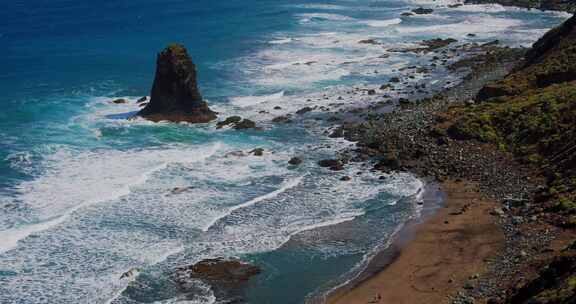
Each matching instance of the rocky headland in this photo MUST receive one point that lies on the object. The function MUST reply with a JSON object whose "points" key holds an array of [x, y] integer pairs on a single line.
{"points": [[175, 96], [556, 5]]}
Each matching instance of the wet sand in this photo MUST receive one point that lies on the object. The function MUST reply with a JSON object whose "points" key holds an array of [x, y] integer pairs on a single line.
{"points": [[433, 259]]}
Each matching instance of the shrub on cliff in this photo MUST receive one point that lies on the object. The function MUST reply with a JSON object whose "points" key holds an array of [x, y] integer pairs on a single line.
{"points": [[532, 113]]}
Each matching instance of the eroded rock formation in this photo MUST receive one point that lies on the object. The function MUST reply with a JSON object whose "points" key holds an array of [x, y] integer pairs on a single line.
{"points": [[175, 96]]}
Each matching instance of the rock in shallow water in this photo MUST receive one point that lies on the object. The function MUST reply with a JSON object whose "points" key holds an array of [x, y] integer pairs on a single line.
{"points": [[175, 96], [332, 164], [221, 272], [295, 161], [422, 11], [257, 152], [237, 123]]}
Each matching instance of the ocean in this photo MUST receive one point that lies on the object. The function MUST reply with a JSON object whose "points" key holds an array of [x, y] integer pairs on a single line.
{"points": [[86, 194]]}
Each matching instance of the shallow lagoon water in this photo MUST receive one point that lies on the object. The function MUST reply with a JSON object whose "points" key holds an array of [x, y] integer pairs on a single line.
{"points": [[86, 195]]}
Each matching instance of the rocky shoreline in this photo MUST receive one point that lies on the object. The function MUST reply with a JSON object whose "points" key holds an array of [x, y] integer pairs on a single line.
{"points": [[414, 138], [409, 130]]}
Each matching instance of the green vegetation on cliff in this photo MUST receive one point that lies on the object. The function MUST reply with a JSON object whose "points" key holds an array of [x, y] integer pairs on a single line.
{"points": [[556, 284], [532, 113]]}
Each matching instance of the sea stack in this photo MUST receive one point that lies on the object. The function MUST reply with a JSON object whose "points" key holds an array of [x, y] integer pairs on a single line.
{"points": [[175, 96]]}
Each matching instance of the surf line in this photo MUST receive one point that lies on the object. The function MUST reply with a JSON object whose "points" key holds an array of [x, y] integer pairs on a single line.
{"points": [[10, 238], [285, 186]]}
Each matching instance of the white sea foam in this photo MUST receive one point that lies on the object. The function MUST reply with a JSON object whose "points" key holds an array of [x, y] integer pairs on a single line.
{"points": [[382, 23], [435, 2], [76, 180], [284, 187], [155, 254], [341, 218], [357, 270], [281, 41], [321, 6], [560, 14], [483, 8], [21, 161], [310, 17], [250, 230], [9, 238], [484, 24], [248, 101]]}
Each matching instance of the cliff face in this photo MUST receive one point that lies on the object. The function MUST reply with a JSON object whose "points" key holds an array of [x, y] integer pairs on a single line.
{"points": [[556, 284], [552, 60], [532, 111], [175, 96]]}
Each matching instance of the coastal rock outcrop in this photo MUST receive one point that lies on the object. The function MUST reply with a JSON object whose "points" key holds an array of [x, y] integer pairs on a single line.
{"points": [[221, 272], [175, 96], [237, 123], [295, 161], [227, 278], [422, 11], [119, 101], [332, 164]]}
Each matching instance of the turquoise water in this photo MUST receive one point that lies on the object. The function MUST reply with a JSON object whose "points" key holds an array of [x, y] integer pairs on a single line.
{"points": [[86, 195]]}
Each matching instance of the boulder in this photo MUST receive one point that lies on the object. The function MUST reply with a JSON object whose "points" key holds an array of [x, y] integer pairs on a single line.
{"points": [[257, 152], [175, 96], [218, 272], [493, 90], [304, 110], [295, 161], [433, 44], [232, 120], [237, 123], [422, 11], [119, 101], [245, 124], [282, 119], [368, 41], [332, 164]]}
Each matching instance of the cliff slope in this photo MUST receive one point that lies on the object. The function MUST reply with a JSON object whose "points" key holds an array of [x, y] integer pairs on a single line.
{"points": [[532, 114]]}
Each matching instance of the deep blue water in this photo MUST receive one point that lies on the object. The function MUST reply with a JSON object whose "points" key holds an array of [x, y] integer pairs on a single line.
{"points": [[86, 195]]}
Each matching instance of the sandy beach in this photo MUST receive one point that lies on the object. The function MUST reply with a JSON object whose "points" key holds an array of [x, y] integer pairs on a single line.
{"points": [[443, 254]]}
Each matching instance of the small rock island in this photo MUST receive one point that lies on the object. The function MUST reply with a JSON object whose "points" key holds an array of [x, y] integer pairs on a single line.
{"points": [[175, 96]]}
